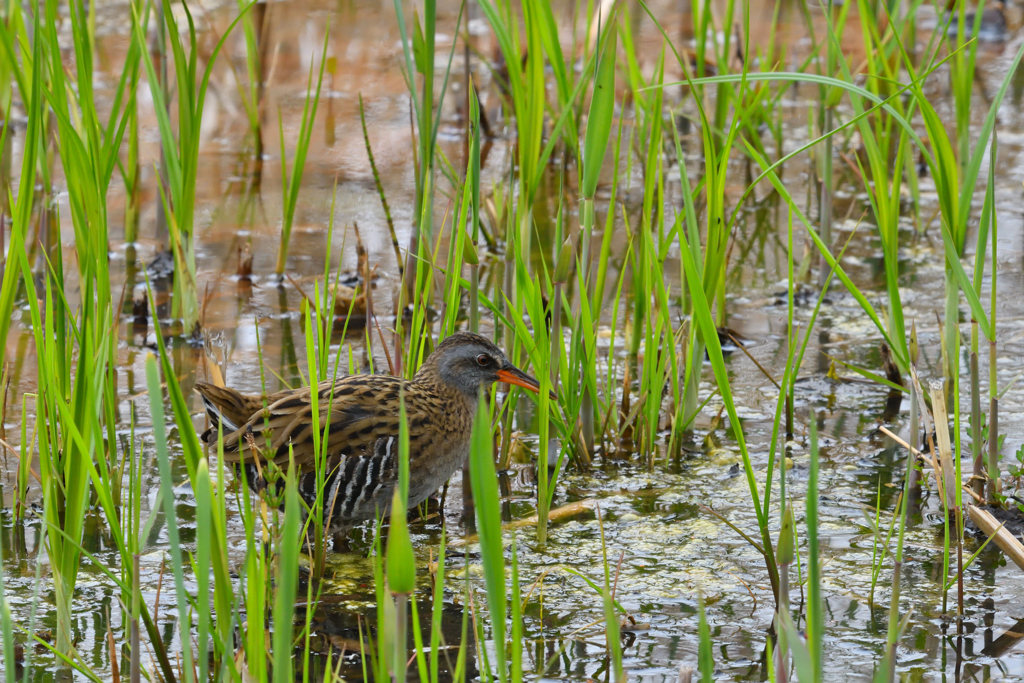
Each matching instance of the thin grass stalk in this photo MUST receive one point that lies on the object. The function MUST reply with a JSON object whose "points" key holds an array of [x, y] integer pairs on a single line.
{"points": [[380, 659], [705, 655], [958, 491], [545, 482], [825, 199], [425, 115], [561, 276], [651, 214], [180, 154], [613, 643], [291, 181], [815, 606], [223, 588], [134, 644], [6, 625], [894, 630], [913, 480], [939, 163], [988, 228], [252, 93], [460, 662], [159, 50], [438, 611], [599, 122], [202, 559], [528, 90], [879, 546], [706, 324], [380, 192], [32, 98], [725, 52], [994, 489], [166, 479], [484, 482], [67, 446], [563, 72], [977, 458], [962, 76], [25, 458], [784, 554], [286, 579], [133, 195], [458, 248], [790, 394], [473, 245], [419, 58], [516, 655], [316, 359], [419, 650], [712, 256]]}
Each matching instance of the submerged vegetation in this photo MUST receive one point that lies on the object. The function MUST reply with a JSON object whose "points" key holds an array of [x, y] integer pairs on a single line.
{"points": [[594, 189]]}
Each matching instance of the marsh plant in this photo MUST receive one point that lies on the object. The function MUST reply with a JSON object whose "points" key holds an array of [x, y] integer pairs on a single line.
{"points": [[602, 252]]}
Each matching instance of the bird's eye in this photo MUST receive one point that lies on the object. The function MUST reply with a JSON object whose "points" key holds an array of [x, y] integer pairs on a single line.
{"points": [[483, 360]]}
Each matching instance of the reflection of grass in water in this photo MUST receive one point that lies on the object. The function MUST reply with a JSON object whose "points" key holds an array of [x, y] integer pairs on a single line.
{"points": [[545, 286], [292, 182]]}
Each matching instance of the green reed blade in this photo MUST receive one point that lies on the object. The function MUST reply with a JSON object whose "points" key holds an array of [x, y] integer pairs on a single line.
{"points": [[517, 618], [702, 313], [562, 71], [65, 452], [6, 626], [484, 482], [286, 579], [613, 643], [204, 544], [832, 262], [32, 97], [705, 656], [181, 152], [292, 182], [867, 374], [802, 658], [156, 407], [437, 610], [815, 611], [602, 111]]}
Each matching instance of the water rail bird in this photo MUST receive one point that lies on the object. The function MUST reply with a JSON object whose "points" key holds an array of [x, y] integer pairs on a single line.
{"points": [[362, 417]]}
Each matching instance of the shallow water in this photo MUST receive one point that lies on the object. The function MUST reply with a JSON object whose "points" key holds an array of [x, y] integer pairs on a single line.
{"points": [[665, 548]]}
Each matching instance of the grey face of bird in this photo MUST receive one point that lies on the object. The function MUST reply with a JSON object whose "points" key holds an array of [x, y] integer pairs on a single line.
{"points": [[470, 363], [470, 366]]}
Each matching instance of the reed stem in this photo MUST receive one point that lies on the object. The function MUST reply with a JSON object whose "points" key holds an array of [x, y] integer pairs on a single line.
{"points": [[978, 473]]}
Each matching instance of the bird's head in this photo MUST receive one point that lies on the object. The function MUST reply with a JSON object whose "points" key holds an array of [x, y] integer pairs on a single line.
{"points": [[469, 362]]}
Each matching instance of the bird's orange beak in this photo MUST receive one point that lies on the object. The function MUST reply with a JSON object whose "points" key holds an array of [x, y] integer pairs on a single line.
{"points": [[513, 375]]}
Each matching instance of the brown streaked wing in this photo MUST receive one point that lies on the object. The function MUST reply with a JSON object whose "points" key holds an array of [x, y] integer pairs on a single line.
{"points": [[361, 409]]}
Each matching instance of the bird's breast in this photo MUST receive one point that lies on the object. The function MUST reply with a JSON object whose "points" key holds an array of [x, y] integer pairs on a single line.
{"points": [[438, 461]]}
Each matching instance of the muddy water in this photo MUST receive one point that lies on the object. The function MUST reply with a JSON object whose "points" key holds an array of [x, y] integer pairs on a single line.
{"points": [[666, 548]]}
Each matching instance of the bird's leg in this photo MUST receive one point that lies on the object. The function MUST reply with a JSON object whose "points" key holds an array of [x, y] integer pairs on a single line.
{"points": [[339, 541], [444, 496]]}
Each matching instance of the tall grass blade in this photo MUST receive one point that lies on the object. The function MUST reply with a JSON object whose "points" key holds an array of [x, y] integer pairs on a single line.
{"points": [[484, 482]]}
